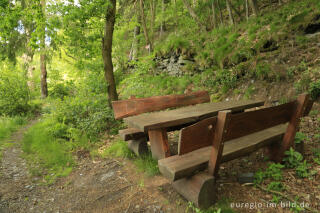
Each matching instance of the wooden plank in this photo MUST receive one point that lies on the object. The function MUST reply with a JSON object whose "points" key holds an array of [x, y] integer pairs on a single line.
{"points": [[245, 145], [180, 166], [159, 143], [196, 136], [186, 115], [131, 134], [220, 133], [288, 138], [136, 106], [249, 122]]}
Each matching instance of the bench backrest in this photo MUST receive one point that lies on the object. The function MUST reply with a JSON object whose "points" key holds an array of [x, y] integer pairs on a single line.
{"points": [[230, 126], [135, 106]]}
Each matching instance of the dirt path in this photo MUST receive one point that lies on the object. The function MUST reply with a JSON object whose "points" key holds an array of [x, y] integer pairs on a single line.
{"points": [[106, 185]]}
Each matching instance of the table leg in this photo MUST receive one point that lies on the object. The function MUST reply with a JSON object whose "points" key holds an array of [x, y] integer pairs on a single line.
{"points": [[159, 143]]}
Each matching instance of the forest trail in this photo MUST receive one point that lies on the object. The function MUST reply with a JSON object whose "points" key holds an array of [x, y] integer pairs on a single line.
{"points": [[105, 185]]}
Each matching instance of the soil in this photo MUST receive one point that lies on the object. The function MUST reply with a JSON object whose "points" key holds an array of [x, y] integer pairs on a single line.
{"points": [[115, 185]]}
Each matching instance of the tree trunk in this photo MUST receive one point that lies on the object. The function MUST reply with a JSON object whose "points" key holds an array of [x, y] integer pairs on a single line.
{"points": [[162, 17], [247, 9], [153, 17], [43, 65], [193, 14], [107, 51], [135, 43], [43, 68], [254, 6], [231, 18], [220, 12], [214, 17], [144, 25]]}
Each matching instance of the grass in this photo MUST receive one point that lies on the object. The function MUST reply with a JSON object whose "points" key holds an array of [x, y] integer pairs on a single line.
{"points": [[143, 163], [49, 155], [8, 125]]}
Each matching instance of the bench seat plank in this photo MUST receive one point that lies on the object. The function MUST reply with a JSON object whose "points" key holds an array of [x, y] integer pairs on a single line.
{"points": [[185, 115], [179, 166], [131, 134]]}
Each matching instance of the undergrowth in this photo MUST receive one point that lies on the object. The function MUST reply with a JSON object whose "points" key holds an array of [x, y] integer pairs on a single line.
{"points": [[8, 125], [144, 163]]}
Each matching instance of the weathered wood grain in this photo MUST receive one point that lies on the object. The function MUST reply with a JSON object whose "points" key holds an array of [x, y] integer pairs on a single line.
{"points": [[200, 189], [223, 121], [180, 166], [249, 122], [288, 138], [159, 143], [136, 106], [196, 136], [185, 115]]}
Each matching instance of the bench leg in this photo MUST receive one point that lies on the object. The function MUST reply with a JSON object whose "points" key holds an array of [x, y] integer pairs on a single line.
{"points": [[159, 143], [139, 147], [199, 189]]}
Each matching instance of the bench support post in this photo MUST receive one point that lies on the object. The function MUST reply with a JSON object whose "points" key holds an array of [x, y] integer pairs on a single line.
{"points": [[277, 153], [199, 189], [218, 141], [159, 143], [139, 147]]}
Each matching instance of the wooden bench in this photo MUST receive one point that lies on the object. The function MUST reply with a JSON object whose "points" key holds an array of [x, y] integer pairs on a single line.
{"points": [[210, 142], [125, 108]]}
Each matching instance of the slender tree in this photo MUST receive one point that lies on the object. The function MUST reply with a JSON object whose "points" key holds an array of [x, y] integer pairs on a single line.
{"points": [[43, 65], [144, 25], [193, 14], [231, 18], [107, 49]]}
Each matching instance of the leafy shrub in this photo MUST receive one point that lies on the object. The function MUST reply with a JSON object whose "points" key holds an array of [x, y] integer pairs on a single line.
{"points": [[51, 154], [273, 171], [315, 90], [9, 125], [300, 137], [293, 158], [276, 186], [60, 90], [90, 114], [14, 92], [302, 169], [119, 149]]}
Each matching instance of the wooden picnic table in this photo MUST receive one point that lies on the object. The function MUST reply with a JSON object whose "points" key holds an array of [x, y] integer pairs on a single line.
{"points": [[157, 124]]}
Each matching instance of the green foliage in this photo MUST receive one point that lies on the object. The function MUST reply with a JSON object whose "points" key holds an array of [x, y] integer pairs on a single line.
{"points": [[143, 83], [14, 92], [276, 186], [147, 164], [49, 154], [9, 125], [61, 90], [273, 171], [119, 149], [144, 163], [293, 158], [315, 90], [300, 137], [90, 114], [302, 169]]}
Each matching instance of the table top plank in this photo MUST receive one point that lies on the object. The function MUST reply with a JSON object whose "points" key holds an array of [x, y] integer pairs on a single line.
{"points": [[190, 114]]}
